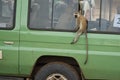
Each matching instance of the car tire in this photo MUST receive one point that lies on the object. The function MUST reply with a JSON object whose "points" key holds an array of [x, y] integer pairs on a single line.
{"points": [[57, 71]]}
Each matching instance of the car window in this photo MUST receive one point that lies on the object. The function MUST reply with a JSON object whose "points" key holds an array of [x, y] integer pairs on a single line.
{"points": [[52, 14], [7, 14]]}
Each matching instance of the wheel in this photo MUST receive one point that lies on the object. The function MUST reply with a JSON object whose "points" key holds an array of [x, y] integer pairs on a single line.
{"points": [[57, 71]]}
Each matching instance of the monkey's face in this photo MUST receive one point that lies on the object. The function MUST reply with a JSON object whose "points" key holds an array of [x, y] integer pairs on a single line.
{"points": [[76, 14]]}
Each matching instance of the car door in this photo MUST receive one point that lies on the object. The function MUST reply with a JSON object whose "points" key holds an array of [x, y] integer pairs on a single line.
{"points": [[9, 36], [47, 25]]}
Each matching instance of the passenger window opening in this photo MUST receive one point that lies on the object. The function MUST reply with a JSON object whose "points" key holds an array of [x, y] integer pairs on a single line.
{"points": [[100, 14], [58, 14]]}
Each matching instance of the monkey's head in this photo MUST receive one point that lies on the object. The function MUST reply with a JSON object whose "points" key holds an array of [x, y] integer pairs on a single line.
{"points": [[76, 14]]}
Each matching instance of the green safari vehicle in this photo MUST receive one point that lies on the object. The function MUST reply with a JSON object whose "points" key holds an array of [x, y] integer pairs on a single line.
{"points": [[35, 37]]}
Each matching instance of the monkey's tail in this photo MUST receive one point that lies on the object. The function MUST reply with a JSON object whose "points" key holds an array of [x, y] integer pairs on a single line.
{"points": [[86, 48]]}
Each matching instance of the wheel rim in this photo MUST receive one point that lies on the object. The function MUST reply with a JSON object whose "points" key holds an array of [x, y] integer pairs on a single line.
{"points": [[56, 77]]}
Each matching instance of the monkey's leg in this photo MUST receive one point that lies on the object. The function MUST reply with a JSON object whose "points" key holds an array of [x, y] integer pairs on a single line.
{"points": [[76, 37]]}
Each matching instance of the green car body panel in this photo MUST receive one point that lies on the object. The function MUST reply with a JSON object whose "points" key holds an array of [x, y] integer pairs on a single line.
{"points": [[29, 45]]}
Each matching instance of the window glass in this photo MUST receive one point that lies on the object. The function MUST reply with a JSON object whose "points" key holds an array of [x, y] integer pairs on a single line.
{"points": [[6, 14], [52, 14], [91, 10], [63, 18], [102, 15], [40, 14], [114, 16]]}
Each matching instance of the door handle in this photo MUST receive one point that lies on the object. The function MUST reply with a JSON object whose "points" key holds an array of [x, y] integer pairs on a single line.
{"points": [[8, 42]]}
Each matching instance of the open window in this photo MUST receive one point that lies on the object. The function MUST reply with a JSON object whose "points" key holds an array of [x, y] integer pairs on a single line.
{"points": [[101, 15]]}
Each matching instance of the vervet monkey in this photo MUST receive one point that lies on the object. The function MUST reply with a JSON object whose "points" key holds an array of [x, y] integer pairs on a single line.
{"points": [[81, 27]]}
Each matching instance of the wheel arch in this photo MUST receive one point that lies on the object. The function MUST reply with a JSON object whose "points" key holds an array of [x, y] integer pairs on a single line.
{"points": [[41, 61]]}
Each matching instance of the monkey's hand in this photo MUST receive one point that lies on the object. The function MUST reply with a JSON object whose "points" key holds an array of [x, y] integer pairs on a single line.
{"points": [[73, 42]]}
